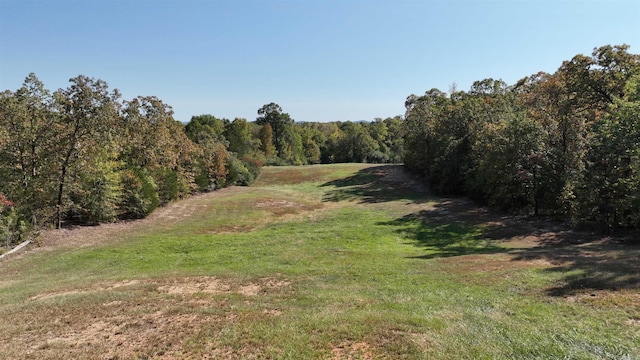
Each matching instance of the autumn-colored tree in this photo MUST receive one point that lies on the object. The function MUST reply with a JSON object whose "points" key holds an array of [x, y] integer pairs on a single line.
{"points": [[88, 122]]}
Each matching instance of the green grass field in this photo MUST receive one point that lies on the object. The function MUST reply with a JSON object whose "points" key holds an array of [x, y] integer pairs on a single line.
{"points": [[323, 262]]}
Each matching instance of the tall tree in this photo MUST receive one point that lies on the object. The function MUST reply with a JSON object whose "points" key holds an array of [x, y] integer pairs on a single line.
{"points": [[28, 148], [272, 114], [89, 113], [421, 114]]}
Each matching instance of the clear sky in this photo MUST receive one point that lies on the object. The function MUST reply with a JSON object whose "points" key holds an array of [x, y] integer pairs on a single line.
{"points": [[319, 60]]}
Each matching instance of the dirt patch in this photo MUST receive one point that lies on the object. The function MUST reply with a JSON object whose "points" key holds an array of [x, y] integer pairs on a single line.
{"points": [[156, 335], [212, 285], [190, 286], [183, 286], [154, 319], [352, 350]]}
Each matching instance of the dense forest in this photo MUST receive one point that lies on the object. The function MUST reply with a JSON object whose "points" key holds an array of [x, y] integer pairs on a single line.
{"points": [[563, 144]]}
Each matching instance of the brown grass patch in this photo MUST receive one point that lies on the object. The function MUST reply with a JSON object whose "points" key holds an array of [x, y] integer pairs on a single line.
{"points": [[495, 263], [98, 288], [280, 207], [212, 285], [287, 175], [154, 319], [348, 350]]}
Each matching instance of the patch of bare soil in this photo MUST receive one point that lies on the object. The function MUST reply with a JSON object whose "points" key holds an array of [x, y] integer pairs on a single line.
{"points": [[211, 285], [352, 350], [156, 322]]}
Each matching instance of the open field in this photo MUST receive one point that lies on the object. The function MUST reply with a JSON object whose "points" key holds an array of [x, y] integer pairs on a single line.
{"points": [[346, 261]]}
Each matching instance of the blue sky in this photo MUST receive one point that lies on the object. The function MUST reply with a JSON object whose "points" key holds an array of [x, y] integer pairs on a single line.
{"points": [[319, 60]]}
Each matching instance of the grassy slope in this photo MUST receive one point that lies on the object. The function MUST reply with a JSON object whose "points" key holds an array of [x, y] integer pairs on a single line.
{"points": [[325, 262]]}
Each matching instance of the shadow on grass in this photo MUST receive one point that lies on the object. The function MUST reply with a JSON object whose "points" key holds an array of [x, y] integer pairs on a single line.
{"points": [[377, 184], [598, 265], [442, 239], [587, 261], [450, 227]]}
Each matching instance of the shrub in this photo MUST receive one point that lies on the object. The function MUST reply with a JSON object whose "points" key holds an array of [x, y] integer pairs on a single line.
{"points": [[238, 173], [253, 165]]}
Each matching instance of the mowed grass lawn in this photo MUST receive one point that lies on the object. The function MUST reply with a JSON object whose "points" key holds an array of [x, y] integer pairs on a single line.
{"points": [[343, 261]]}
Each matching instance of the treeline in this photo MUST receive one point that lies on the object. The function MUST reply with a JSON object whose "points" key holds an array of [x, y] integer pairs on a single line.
{"points": [[82, 155], [565, 144]]}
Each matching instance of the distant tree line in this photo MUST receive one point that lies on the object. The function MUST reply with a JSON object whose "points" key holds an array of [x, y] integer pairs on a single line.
{"points": [[565, 144], [82, 155]]}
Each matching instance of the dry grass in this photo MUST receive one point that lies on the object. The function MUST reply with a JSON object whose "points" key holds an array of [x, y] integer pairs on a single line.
{"points": [[131, 319]]}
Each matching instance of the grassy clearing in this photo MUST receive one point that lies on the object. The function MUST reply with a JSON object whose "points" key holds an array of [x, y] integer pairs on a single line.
{"points": [[333, 262]]}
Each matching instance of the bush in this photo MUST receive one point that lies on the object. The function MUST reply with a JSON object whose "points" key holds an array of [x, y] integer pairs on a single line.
{"points": [[238, 174], [253, 165]]}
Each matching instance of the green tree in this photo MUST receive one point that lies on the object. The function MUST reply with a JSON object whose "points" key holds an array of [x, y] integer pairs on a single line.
{"points": [[266, 141], [292, 151], [12, 227], [28, 152], [421, 114], [394, 141], [238, 134], [206, 127], [609, 195], [89, 114], [356, 145], [272, 114], [310, 147], [208, 133], [156, 142], [508, 158]]}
